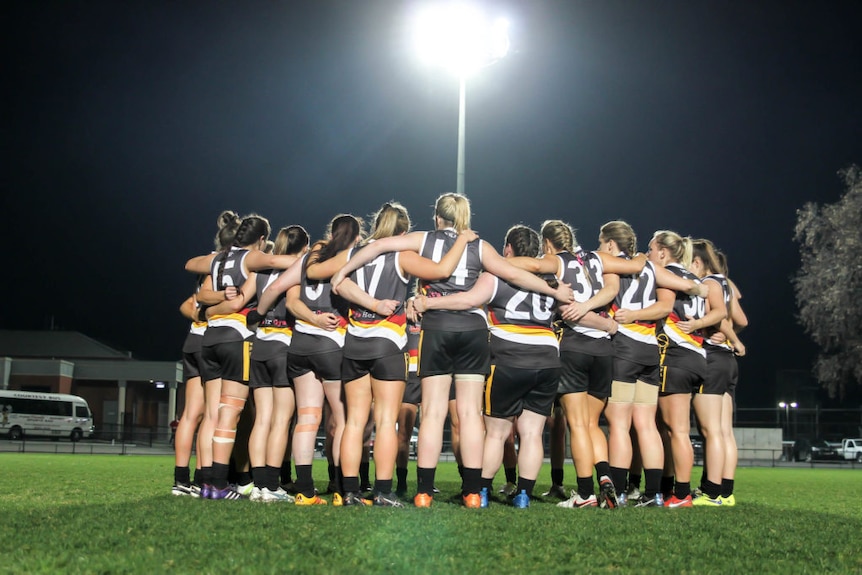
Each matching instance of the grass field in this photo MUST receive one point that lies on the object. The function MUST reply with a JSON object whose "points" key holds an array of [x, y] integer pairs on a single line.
{"points": [[108, 514]]}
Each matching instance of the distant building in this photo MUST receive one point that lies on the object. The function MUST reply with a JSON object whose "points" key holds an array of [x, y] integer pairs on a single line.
{"points": [[122, 392]]}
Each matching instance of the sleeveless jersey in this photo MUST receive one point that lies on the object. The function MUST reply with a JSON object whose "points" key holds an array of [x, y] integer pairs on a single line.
{"points": [[194, 339], [226, 271], [583, 271], [434, 246], [318, 296], [684, 350], [521, 325], [728, 296], [369, 334], [276, 329], [636, 341]]}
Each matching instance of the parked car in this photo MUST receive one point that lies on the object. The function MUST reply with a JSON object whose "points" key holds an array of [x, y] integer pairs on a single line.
{"points": [[813, 450], [851, 449], [414, 442]]}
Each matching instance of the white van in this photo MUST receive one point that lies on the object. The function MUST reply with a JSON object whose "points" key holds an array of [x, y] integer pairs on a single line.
{"points": [[31, 414]]}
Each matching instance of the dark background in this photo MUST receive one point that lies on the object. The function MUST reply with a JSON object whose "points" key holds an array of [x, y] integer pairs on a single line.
{"points": [[130, 125]]}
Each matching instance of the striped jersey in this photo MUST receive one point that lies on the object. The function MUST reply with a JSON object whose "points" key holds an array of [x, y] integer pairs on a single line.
{"points": [[227, 270], [521, 326], [276, 329], [435, 245], [583, 271], [636, 341], [318, 296], [369, 334], [727, 294]]}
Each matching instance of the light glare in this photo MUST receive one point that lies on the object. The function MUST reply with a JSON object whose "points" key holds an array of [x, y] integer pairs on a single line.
{"points": [[460, 38]]}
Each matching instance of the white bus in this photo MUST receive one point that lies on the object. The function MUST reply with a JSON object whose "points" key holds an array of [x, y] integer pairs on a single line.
{"points": [[31, 414]]}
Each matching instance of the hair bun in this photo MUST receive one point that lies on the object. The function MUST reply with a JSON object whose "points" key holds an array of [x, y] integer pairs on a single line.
{"points": [[227, 218]]}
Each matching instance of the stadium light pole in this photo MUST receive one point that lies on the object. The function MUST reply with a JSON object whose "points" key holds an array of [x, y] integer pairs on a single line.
{"points": [[461, 39], [787, 406]]}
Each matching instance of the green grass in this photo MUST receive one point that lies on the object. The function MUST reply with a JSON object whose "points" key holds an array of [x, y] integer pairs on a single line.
{"points": [[108, 514]]}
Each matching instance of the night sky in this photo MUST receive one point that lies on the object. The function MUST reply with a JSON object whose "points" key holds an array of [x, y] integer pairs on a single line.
{"points": [[128, 126]]}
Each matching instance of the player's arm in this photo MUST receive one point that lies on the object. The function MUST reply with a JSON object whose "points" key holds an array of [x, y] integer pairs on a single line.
{"points": [[295, 305], [480, 294], [325, 270], [659, 310], [622, 266], [737, 314], [354, 294], [427, 269], [717, 310], [412, 241], [257, 260], [201, 265], [189, 308], [574, 311], [244, 296], [667, 279], [542, 265], [497, 265], [287, 279]]}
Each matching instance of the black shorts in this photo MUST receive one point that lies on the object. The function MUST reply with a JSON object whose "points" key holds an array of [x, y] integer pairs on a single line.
{"points": [[389, 368], [721, 373], [269, 372], [629, 372], [326, 366], [675, 380], [229, 360], [511, 390], [580, 372], [454, 352], [192, 364], [413, 390], [734, 378]]}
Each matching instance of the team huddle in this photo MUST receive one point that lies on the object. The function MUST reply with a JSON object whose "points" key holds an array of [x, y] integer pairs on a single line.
{"points": [[364, 333]]}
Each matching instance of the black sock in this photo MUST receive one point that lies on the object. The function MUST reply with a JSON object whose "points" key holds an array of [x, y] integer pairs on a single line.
{"points": [[653, 483], [667, 486], [339, 478], [363, 473], [556, 475], [383, 486], [488, 483], [726, 487], [710, 489], [682, 489], [586, 487], [425, 479], [461, 471], [258, 475], [526, 485], [634, 480], [351, 484], [603, 468], [331, 470], [206, 475], [618, 476], [511, 474], [401, 476], [181, 475], [304, 482], [472, 480], [198, 477], [270, 478], [220, 472], [243, 478]]}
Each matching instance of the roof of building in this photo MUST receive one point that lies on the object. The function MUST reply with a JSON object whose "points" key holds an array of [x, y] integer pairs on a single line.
{"points": [[69, 345]]}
